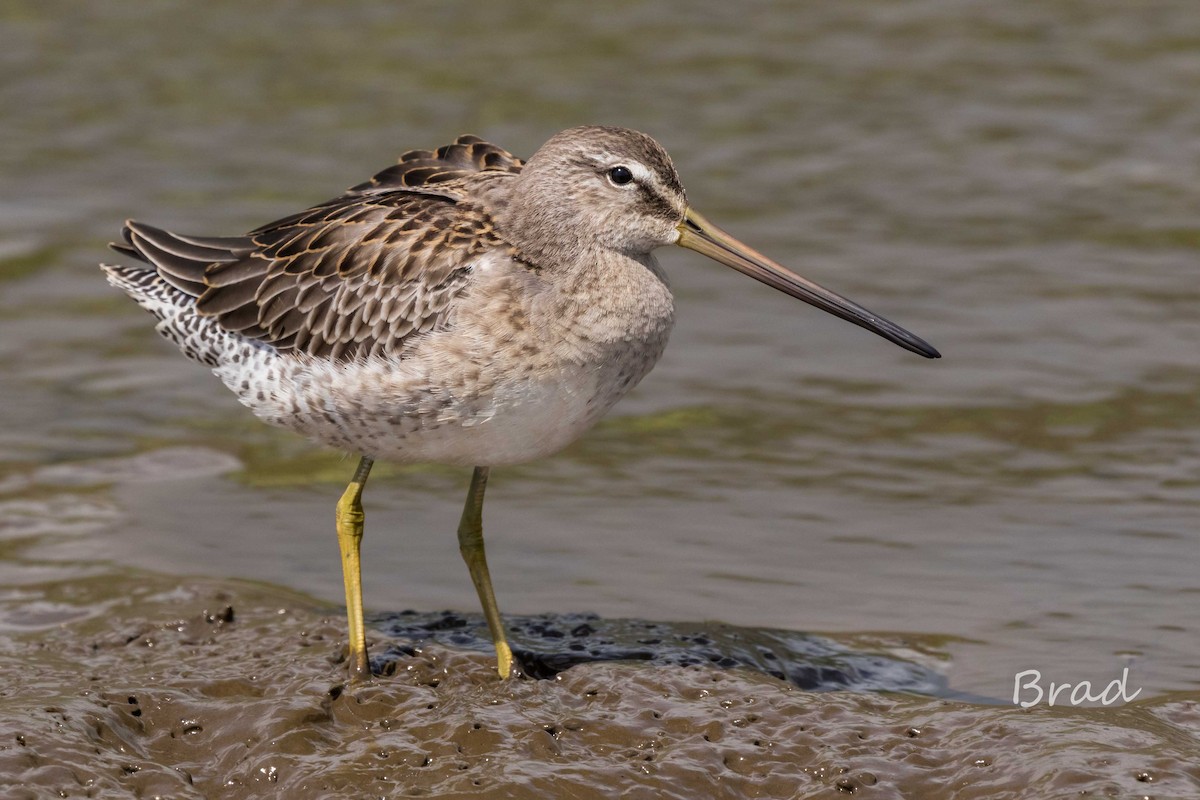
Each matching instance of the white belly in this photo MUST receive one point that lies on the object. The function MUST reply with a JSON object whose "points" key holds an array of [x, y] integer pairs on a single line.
{"points": [[417, 413], [512, 426]]}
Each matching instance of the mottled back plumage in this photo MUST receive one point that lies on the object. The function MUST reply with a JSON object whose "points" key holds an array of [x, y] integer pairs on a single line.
{"points": [[430, 170], [355, 276]]}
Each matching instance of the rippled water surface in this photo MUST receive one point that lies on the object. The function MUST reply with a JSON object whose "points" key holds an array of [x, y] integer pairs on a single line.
{"points": [[1016, 182]]}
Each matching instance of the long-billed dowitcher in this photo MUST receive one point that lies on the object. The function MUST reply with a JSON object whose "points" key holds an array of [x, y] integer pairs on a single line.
{"points": [[461, 307]]}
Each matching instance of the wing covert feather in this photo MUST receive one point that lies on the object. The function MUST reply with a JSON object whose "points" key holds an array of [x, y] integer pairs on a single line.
{"points": [[355, 276]]}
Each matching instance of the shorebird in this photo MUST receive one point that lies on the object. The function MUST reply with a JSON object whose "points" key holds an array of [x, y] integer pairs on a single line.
{"points": [[462, 307]]}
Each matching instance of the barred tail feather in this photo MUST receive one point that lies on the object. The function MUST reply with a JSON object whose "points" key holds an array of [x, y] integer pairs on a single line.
{"points": [[199, 338]]}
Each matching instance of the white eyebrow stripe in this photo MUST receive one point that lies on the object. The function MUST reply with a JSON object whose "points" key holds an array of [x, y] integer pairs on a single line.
{"points": [[640, 173]]}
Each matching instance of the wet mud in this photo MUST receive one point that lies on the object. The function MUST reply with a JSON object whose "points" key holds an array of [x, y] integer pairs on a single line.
{"points": [[232, 690]]}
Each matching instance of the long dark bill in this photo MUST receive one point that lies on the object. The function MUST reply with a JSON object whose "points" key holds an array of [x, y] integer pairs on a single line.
{"points": [[697, 233]]}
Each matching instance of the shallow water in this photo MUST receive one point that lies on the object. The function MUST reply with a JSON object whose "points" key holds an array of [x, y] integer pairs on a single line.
{"points": [[1015, 182]]}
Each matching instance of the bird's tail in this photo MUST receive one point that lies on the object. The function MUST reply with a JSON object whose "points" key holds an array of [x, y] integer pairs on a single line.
{"points": [[199, 338]]}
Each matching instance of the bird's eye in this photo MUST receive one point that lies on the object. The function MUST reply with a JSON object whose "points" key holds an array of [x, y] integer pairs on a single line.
{"points": [[620, 175]]}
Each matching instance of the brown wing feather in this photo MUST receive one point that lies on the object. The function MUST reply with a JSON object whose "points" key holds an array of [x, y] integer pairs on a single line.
{"points": [[425, 169], [355, 276]]}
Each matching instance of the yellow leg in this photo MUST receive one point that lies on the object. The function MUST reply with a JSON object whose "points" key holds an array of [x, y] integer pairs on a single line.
{"points": [[350, 532], [470, 544]]}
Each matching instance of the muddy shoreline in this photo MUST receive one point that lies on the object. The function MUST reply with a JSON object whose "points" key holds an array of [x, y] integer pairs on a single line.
{"points": [[212, 689]]}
